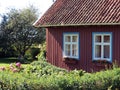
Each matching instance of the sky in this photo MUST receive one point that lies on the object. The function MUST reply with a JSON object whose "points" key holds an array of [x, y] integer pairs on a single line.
{"points": [[42, 5]]}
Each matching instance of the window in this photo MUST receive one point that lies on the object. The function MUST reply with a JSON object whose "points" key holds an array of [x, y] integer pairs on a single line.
{"points": [[102, 46], [71, 45]]}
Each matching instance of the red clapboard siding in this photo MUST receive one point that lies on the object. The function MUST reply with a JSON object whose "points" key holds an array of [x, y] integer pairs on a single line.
{"points": [[54, 38]]}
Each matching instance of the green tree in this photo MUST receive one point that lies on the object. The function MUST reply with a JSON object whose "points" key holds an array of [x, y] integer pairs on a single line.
{"points": [[5, 45], [22, 33], [2, 31]]}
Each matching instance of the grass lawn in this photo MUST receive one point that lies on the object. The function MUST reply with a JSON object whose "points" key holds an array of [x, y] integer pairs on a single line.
{"points": [[8, 61]]}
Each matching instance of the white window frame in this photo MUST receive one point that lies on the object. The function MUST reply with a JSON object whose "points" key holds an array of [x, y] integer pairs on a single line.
{"points": [[102, 44], [71, 34]]}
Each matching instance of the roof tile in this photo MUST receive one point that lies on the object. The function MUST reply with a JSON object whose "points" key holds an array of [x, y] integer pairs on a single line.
{"points": [[71, 12]]}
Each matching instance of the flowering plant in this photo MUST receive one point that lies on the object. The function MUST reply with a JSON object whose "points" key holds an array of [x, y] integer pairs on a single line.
{"points": [[2, 68], [15, 67]]}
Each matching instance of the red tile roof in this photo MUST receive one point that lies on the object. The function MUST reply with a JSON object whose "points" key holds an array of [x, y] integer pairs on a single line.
{"points": [[81, 12]]}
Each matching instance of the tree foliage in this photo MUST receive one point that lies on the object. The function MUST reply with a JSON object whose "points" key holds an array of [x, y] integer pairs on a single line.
{"points": [[5, 46], [21, 33]]}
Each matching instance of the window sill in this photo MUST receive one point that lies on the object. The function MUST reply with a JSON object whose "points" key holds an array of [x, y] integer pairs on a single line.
{"points": [[101, 61], [70, 60]]}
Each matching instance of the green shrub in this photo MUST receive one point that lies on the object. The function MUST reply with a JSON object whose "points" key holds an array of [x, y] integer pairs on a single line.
{"points": [[32, 53], [42, 54], [41, 68], [41, 75], [115, 83]]}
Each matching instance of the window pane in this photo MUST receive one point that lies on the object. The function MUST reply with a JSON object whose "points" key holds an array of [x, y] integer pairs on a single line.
{"points": [[67, 39], [106, 51], [98, 51], [74, 50], [98, 39], [74, 39], [67, 49], [106, 38]]}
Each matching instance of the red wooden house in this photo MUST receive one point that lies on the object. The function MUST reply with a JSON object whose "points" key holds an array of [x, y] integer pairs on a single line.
{"points": [[82, 34]]}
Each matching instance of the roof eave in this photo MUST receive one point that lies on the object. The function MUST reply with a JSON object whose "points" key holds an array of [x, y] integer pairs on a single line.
{"points": [[88, 24]]}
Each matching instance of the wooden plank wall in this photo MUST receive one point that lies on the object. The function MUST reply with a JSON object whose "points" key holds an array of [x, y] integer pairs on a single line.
{"points": [[54, 38]]}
